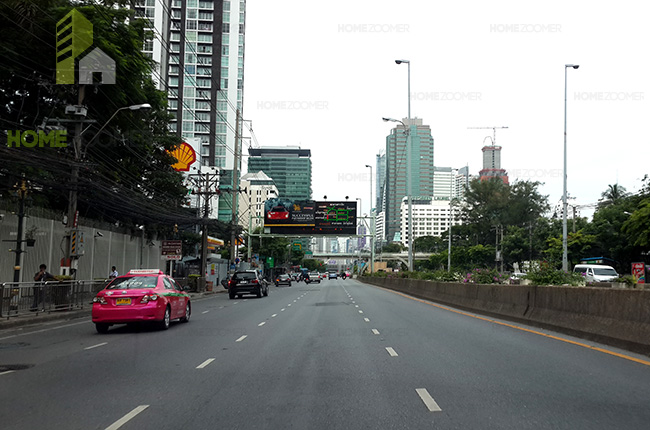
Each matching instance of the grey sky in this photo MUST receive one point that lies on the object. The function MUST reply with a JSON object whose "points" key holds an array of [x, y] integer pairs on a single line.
{"points": [[322, 74]]}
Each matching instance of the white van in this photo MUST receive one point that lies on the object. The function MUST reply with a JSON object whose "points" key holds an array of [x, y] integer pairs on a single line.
{"points": [[596, 272]]}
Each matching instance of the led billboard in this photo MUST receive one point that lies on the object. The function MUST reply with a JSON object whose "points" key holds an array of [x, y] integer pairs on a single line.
{"points": [[310, 217]]}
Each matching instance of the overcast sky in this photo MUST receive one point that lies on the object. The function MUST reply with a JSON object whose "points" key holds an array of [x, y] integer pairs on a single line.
{"points": [[321, 75]]}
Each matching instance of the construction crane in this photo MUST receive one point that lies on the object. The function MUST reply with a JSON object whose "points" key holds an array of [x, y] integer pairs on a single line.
{"points": [[494, 132]]}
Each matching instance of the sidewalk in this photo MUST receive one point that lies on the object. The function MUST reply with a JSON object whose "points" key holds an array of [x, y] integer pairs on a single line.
{"points": [[63, 315]]}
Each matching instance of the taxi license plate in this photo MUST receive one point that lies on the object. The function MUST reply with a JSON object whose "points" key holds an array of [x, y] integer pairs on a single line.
{"points": [[122, 302]]}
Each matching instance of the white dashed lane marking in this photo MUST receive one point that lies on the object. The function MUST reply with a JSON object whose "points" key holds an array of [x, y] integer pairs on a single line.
{"points": [[242, 338], [96, 346], [428, 400], [366, 320], [375, 331], [261, 324], [126, 418], [205, 363], [391, 351]]}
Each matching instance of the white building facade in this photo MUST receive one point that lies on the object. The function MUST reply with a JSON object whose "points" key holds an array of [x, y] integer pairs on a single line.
{"points": [[430, 217]]}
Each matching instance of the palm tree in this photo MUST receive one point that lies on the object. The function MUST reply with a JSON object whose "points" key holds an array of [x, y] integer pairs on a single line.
{"points": [[613, 195]]}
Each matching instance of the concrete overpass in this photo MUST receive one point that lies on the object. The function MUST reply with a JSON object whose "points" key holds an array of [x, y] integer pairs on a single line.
{"points": [[400, 256]]}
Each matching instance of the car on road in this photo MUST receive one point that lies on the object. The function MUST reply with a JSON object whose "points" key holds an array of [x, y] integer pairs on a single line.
{"points": [[332, 275], [142, 295], [247, 282], [323, 275], [313, 277], [283, 279]]}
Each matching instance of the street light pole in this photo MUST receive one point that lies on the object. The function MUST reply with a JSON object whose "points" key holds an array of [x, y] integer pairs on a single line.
{"points": [[372, 227], [565, 262], [409, 186], [451, 182]]}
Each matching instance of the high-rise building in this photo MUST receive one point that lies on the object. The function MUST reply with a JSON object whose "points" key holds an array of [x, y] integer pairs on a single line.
{"points": [[380, 181], [288, 166], [198, 46], [492, 164], [259, 188], [421, 172], [448, 182]]}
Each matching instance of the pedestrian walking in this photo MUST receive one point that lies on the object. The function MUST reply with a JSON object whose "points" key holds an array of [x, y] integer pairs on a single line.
{"points": [[39, 287], [113, 273]]}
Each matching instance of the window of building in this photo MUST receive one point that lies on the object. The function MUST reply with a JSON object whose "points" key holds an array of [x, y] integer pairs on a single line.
{"points": [[225, 28]]}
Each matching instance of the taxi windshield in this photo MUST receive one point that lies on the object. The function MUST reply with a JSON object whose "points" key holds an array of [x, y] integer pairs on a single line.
{"points": [[133, 283]]}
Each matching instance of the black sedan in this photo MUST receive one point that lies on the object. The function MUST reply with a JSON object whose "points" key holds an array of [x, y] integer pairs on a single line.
{"points": [[283, 279]]}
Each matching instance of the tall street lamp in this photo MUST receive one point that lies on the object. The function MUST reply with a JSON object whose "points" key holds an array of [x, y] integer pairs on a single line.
{"points": [[451, 217], [408, 169], [372, 227], [565, 262]]}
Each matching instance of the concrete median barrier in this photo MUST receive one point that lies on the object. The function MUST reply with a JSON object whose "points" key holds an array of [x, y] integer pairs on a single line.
{"points": [[618, 317]]}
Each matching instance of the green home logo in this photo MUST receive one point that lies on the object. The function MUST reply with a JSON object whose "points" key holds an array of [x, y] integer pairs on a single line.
{"points": [[74, 35], [33, 139]]}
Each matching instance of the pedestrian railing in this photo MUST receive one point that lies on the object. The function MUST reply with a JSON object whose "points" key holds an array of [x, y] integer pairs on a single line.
{"points": [[21, 298]]}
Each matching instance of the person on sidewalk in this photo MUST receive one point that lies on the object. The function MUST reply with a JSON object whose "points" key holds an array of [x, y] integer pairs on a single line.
{"points": [[39, 287], [113, 273]]}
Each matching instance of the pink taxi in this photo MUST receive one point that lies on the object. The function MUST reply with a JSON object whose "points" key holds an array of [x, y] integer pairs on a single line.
{"points": [[139, 296]]}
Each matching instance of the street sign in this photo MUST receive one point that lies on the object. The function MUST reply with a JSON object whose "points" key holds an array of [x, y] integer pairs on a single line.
{"points": [[172, 249]]}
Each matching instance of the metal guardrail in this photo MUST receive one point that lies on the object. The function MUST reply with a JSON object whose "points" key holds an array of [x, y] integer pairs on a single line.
{"points": [[22, 298]]}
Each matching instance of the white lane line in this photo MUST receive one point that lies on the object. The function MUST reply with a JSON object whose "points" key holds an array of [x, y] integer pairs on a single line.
{"points": [[282, 310], [261, 324], [126, 418], [289, 304], [235, 303], [43, 330], [242, 338], [356, 306], [205, 312], [366, 320], [360, 312], [96, 346], [274, 315], [205, 363], [220, 307], [375, 331], [294, 301], [391, 351], [8, 371], [428, 400]]}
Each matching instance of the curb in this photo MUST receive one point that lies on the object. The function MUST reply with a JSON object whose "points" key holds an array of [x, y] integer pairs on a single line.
{"points": [[63, 315]]}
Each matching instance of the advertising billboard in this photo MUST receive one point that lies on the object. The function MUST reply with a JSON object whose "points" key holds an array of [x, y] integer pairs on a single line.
{"points": [[310, 217]]}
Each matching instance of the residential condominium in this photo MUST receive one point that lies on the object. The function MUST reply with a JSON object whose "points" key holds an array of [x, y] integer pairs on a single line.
{"points": [[199, 48]]}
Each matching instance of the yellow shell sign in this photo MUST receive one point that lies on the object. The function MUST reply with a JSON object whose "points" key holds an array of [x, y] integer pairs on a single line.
{"points": [[185, 155]]}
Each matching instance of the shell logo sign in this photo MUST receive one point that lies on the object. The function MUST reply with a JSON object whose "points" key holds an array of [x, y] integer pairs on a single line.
{"points": [[185, 155]]}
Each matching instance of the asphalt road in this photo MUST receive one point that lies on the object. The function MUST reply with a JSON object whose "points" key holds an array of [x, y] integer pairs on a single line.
{"points": [[335, 355]]}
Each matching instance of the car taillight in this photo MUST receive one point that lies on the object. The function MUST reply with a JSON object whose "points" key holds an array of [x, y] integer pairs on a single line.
{"points": [[99, 299], [231, 283], [254, 281], [149, 297]]}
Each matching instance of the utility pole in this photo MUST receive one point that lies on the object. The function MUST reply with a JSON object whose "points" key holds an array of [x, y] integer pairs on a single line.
{"points": [[234, 237], [74, 179], [207, 185], [22, 193]]}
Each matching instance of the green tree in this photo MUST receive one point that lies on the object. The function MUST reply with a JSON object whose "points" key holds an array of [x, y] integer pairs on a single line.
{"points": [[428, 244], [637, 227], [613, 195]]}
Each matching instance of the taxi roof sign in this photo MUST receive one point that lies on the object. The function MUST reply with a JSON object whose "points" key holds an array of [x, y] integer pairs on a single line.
{"points": [[145, 272]]}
